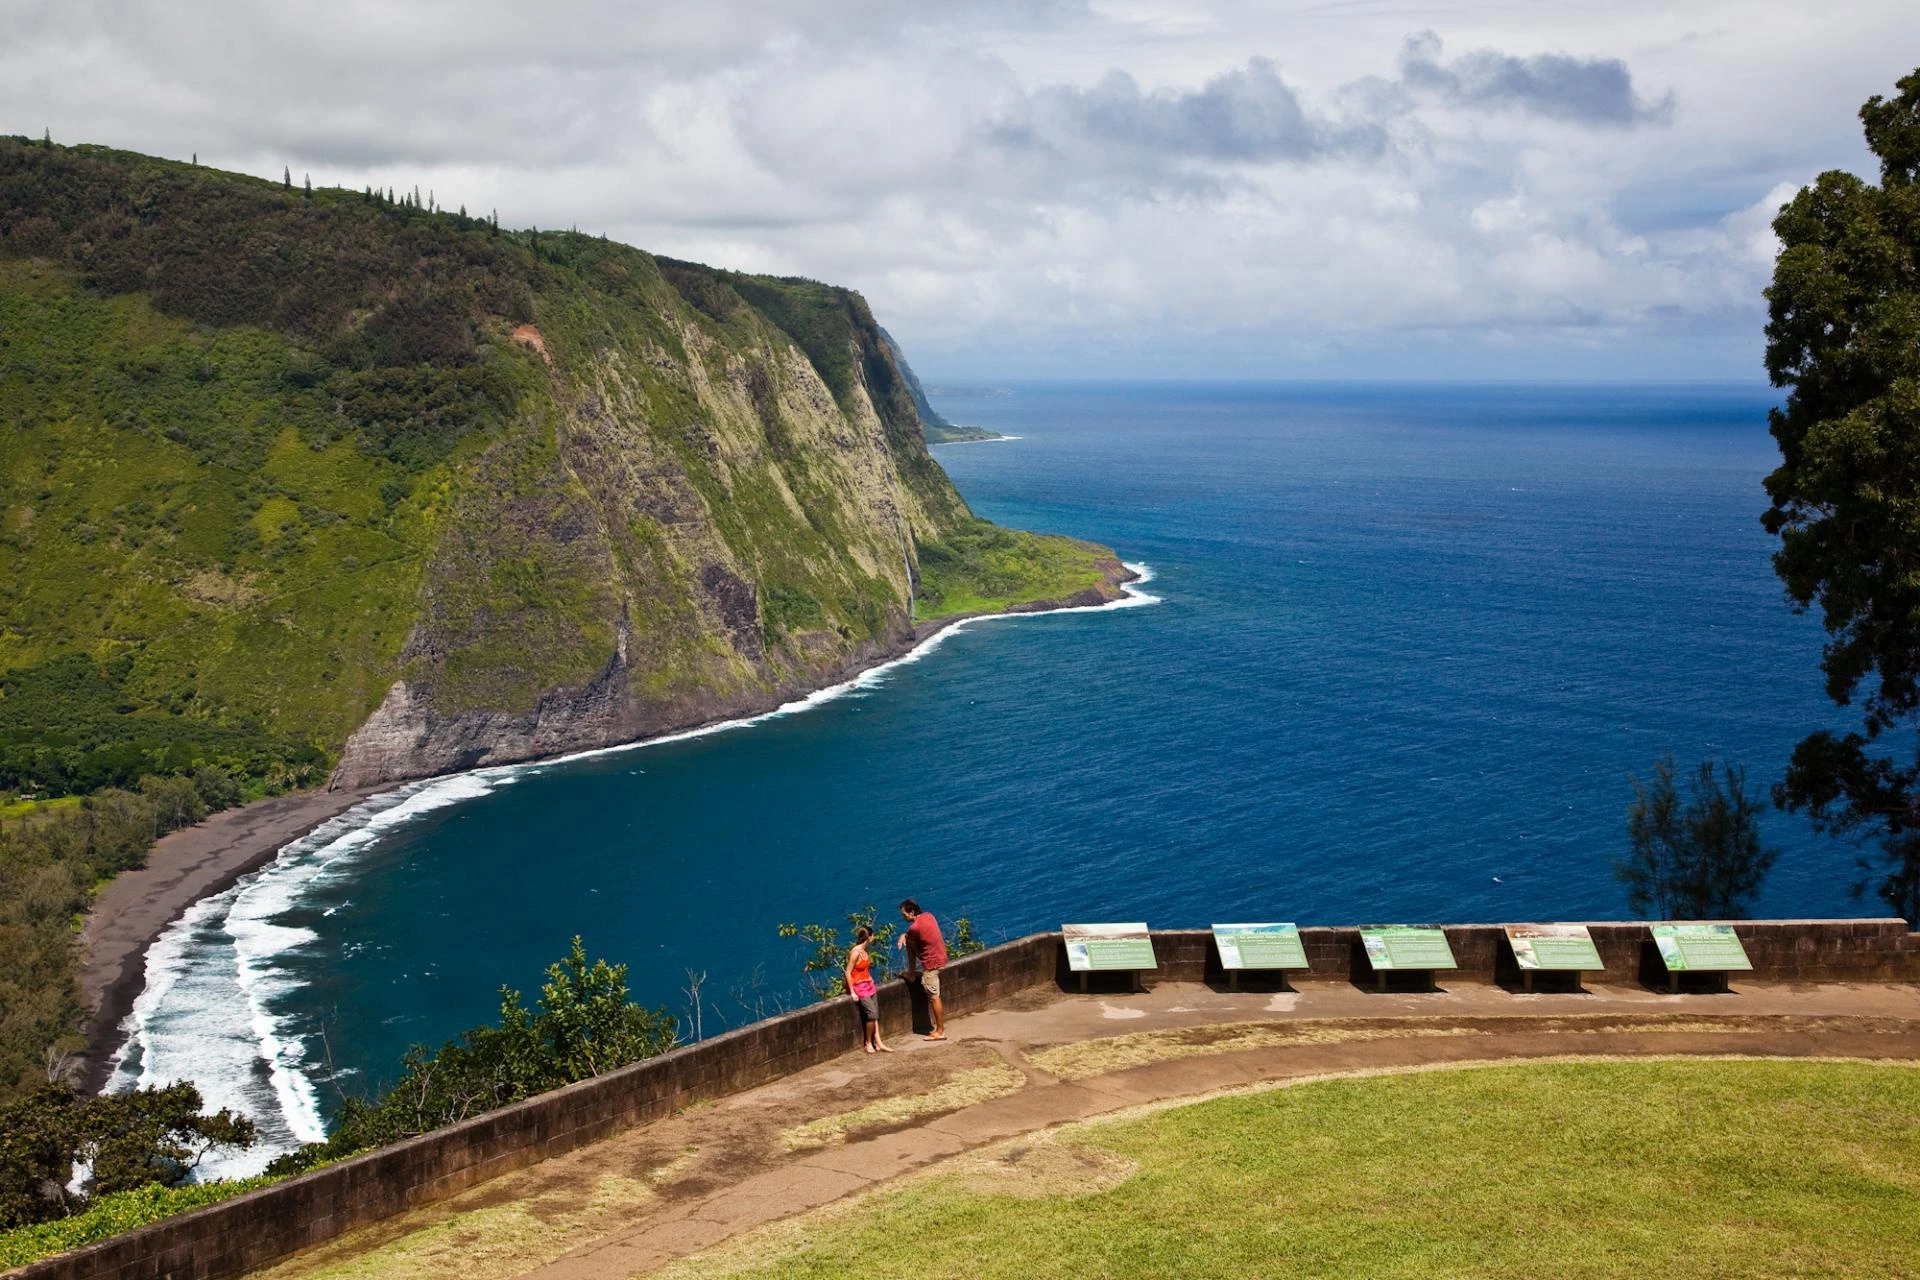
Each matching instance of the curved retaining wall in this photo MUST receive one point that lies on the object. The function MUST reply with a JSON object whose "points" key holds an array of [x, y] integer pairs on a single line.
{"points": [[252, 1231]]}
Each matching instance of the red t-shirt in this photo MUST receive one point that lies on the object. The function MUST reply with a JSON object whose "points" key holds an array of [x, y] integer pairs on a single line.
{"points": [[924, 943]]}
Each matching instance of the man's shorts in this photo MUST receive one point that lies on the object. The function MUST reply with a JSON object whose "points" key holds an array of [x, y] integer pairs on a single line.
{"points": [[930, 983]]}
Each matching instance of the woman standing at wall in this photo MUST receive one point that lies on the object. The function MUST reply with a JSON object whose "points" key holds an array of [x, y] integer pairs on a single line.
{"points": [[865, 993]]}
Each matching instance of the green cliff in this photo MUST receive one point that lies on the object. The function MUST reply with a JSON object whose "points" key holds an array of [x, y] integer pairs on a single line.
{"points": [[330, 483]]}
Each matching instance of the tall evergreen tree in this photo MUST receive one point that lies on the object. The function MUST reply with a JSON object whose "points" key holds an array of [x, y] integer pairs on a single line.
{"points": [[1843, 335], [286, 177]]}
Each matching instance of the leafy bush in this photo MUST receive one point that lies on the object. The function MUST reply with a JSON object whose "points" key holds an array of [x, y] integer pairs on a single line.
{"points": [[584, 1026], [824, 969], [144, 1138], [109, 1215]]}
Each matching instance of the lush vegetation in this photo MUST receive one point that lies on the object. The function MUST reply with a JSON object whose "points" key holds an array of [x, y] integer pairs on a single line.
{"points": [[109, 1215], [265, 450], [1582, 1170], [129, 1141], [1843, 336], [1698, 860], [982, 568], [51, 858], [582, 1026]]}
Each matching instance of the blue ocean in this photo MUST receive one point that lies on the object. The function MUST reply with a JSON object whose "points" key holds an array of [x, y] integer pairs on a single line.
{"points": [[1409, 644]]}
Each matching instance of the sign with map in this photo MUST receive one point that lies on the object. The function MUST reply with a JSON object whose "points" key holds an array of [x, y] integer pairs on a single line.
{"points": [[1096, 947], [1259, 946], [1708, 947], [1553, 946], [1405, 947]]}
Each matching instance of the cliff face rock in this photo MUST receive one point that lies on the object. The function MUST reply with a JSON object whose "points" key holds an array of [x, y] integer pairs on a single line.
{"points": [[330, 474]]}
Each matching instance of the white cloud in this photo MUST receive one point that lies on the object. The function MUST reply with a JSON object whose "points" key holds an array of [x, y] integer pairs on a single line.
{"points": [[1220, 186]]}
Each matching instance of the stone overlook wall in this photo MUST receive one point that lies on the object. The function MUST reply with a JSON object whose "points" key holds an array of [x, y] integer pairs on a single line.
{"points": [[252, 1231]]}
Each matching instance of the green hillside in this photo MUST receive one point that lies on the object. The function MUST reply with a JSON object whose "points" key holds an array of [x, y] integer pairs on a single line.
{"points": [[270, 456]]}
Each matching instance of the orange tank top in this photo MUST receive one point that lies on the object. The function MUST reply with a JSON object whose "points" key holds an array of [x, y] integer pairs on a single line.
{"points": [[862, 969]]}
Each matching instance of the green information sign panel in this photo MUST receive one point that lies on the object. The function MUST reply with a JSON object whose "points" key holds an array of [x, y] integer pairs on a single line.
{"points": [[1709, 947], [1402, 947], [1553, 946], [1096, 947], [1260, 946]]}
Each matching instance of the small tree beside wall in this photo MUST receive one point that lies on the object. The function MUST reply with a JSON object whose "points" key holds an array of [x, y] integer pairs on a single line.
{"points": [[1697, 857]]}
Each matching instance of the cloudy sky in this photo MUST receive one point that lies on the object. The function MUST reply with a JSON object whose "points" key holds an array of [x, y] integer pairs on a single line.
{"points": [[1214, 188]]}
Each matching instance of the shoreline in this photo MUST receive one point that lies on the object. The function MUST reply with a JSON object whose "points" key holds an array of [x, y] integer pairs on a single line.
{"points": [[134, 909]]}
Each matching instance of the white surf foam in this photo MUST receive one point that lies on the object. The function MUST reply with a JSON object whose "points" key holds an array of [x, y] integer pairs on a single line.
{"points": [[211, 1008], [207, 1012]]}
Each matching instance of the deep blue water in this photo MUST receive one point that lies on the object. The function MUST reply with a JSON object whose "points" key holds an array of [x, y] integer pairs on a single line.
{"points": [[1412, 641]]}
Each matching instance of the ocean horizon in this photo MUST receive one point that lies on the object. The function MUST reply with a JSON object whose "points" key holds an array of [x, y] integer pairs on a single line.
{"points": [[1407, 643]]}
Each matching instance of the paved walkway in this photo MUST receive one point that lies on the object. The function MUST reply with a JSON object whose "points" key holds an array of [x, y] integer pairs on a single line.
{"points": [[641, 1199]]}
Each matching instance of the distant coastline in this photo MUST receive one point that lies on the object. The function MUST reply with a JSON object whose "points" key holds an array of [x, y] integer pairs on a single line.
{"points": [[985, 437], [949, 433]]}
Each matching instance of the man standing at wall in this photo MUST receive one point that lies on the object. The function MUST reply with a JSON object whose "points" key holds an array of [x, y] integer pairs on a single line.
{"points": [[926, 957]]}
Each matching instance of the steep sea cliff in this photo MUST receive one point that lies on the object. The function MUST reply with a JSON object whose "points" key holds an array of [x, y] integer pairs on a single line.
{"points": [[333, 483]]}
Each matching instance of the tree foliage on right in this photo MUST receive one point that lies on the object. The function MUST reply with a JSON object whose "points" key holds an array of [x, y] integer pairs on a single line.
{"points": [[1843, 336]]}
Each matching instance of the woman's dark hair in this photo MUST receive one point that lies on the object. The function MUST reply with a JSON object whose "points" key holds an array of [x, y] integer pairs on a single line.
{"points": [[862, 934], [911, 907]]}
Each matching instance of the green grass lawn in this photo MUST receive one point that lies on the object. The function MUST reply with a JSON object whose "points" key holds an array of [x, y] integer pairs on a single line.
{"points": [[1573, 1169]]}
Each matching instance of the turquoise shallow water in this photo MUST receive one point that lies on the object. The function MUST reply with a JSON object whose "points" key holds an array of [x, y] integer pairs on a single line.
{"points": [[1411, 641]]}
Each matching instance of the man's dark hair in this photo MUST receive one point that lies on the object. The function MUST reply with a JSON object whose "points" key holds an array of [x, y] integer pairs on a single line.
{"points": [[909, 906]]}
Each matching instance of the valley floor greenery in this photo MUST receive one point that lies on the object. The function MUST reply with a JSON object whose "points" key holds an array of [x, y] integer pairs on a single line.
{"points": [[983, 568], [1590, 1169]]}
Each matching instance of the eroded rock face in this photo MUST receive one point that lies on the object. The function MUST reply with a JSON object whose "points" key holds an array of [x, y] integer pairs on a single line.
{"points": [[676, 537], [407, 737]]}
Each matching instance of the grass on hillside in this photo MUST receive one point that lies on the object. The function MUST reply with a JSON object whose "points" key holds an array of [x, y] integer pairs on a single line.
{"points": [[1571, 1169], [983, 568]]}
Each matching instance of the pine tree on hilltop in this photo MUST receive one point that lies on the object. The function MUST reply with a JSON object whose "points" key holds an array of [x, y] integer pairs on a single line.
{"points": [[286, 178]]}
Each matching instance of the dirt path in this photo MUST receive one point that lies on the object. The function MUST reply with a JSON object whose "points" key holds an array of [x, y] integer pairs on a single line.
{"points": [[136, 906], [641, 1199]]}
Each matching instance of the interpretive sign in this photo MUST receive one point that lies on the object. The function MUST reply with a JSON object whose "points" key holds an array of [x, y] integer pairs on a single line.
{"points": [[1093, 948], [1553, 946], [1259, 946], [1404, 947], [1692, 947]]}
